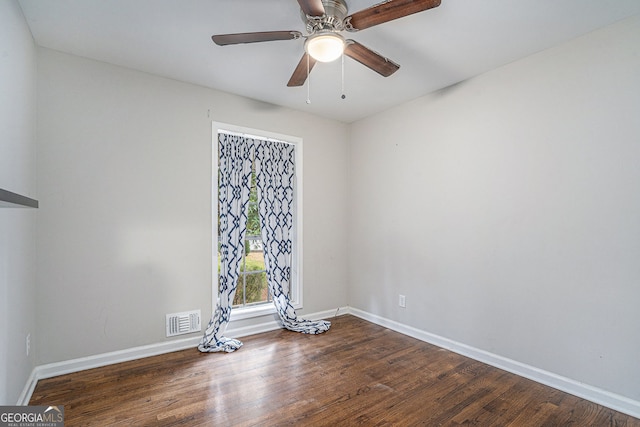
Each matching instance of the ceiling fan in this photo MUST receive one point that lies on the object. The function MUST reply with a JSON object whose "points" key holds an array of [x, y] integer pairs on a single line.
{"points": [[325, 20]]}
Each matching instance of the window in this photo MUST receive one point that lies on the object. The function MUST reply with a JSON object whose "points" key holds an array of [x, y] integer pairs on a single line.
{"points": [[252, 288], [252, 296]]}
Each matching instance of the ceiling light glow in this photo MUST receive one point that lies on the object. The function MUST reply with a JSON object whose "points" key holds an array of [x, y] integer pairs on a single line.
{"points": [[325, 47]]}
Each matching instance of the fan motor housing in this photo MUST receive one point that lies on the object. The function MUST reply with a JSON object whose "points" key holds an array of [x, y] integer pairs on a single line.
{"points": [[334, 13]]}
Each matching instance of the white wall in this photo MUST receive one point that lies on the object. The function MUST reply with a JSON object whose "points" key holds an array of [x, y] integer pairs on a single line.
{"points": [[124, 167], [507, 210], [17, 174]]}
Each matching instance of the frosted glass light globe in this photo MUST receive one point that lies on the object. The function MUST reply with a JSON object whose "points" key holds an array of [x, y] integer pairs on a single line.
{"points": [[325, 47]]}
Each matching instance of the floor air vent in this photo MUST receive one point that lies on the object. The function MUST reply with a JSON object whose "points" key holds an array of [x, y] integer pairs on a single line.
{"points": [[183, 323]]}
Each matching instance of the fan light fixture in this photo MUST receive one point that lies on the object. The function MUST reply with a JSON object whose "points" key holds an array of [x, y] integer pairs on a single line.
{"points": [[325, 47]]}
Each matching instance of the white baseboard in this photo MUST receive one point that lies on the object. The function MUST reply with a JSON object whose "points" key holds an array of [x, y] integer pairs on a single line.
{"points": [[95, 361], [594, 394], [98, 360]]}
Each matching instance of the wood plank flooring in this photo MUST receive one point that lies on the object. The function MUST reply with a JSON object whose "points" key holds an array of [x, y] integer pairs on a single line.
{"points": [[358, 373]]}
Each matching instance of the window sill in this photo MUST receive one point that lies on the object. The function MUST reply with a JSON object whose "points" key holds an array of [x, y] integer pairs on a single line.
{"points": [[261, 310]]}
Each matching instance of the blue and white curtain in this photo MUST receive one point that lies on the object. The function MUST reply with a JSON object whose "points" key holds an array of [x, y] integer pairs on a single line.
{"points": [[236, 158], [275, 182], [275, 175]]}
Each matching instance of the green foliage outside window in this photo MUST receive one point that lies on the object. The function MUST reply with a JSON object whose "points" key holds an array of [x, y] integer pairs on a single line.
{"points": [[256, 283], [253, 216], [252, 287]]}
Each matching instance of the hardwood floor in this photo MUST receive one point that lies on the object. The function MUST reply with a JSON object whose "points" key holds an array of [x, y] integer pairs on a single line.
{"points": [[358, 373]]}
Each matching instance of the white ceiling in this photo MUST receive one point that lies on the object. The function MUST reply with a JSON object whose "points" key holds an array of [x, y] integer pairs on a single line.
{"points": [[436, 48]]}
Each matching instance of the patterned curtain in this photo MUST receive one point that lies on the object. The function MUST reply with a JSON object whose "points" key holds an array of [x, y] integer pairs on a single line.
{"points": [[236, 157], [275, 182]]}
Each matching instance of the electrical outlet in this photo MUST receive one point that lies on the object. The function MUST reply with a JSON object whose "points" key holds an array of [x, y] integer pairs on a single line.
{"points": [[28, 342], [402, 301]]}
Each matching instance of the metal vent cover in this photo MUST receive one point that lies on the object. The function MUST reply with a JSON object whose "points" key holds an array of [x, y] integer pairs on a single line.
{"points": [[183, 323]]}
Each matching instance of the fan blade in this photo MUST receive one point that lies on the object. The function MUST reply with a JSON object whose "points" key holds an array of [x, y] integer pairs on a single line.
{"points": [[267, 36], [312, 7], [378, 63], [387, 11], [299, 75]]}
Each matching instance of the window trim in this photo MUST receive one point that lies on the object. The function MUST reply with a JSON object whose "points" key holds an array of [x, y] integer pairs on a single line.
{"points": [[296, 270]]}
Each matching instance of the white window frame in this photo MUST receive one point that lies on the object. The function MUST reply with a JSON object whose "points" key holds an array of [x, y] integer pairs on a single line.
{"points": [[296, 262]]}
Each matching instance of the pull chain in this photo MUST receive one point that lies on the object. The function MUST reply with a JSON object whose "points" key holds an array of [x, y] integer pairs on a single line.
{"points": [[308, 82], [343, 95]]}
